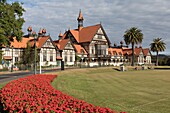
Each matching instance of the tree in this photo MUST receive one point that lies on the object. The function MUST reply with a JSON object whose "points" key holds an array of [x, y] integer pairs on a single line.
{"points": [[133, 36], [11, 22], [157, 46], [29, 51], [26, 55]]}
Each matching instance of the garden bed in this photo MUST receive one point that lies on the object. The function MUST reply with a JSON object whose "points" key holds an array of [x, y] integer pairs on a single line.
{"points": [[35, 94]]}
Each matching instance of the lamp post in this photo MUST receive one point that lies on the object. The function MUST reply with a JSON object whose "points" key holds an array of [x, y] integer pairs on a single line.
{"points": [[35, 37], [12, 60]]}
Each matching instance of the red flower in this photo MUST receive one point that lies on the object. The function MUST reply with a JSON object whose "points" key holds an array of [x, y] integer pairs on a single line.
{"points": [[35, 94]]}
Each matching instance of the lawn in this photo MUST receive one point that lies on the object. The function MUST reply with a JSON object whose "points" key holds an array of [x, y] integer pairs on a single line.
{"points": [[2, 84], [143, 91]]}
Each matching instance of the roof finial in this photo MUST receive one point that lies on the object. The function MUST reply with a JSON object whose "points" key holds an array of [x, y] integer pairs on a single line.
{"points": [[80, 20], [80, 17], [69, 28], [100, 22], [60, 35]]}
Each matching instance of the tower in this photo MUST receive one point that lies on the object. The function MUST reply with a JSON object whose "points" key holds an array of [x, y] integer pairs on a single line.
{"points": [[80, 21]]}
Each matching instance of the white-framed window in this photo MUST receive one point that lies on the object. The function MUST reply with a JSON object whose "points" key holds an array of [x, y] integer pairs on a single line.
{"points": [[71, 58], [16, 59], [99, 36], [44, 55], [65, 57], [51, 55]]}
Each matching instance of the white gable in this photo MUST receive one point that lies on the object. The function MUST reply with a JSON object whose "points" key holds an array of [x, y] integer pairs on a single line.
{"points": [[100, 35], [69, 46], [48, 43], [141, 52]]}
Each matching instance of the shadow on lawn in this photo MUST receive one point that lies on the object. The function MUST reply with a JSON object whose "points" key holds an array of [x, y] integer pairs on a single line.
{"points": [[116, 69], [162, 68]]}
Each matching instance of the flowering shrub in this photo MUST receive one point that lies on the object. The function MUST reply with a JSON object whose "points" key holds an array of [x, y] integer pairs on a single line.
{"points": [[35, 94]]}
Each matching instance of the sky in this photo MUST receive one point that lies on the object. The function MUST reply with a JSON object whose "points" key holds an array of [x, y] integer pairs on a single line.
{"points": [[116, 16]]}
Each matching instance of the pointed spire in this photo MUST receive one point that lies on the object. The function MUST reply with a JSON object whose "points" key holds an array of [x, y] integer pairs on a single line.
{"points": [[80, 17], [29, 29], [115, 44], [121, 43], [80, 21], [40, 33], [60, 35], [44, 30]]}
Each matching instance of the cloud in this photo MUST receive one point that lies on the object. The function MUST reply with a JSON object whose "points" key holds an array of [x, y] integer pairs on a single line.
{"points": [[151, 16]]}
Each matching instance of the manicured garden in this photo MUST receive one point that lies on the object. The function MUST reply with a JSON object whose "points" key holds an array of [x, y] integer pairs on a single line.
{"points": [[141, 91], [82, 90], [34, 94]]}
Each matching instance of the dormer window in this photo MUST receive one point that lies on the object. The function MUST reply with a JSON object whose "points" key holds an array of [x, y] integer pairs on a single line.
{"points": [[99, 36], [48, 43]]}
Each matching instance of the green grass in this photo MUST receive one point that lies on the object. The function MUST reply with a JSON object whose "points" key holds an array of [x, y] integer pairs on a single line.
{"points": [[140, 91], [2, 84]]}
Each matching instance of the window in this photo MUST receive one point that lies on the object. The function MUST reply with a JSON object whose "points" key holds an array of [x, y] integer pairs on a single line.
{"points": [[51, 55], [44, 55], [71, 58], [48, 43], [92, 51], [65, 58], [99, 36], [16, 59]]}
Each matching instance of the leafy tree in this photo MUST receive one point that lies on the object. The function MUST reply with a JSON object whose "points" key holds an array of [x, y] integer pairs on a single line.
{"points": [[11, 22], [29, 51], [0, 57], [133, 36], [157, 46], [26, 55]]}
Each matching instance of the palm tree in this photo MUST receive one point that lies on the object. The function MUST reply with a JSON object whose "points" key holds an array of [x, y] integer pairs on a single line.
{"points": [[133, 36], [157, 46]]}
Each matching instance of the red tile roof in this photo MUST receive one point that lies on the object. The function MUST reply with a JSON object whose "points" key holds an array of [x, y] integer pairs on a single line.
{"points": [[86, 34], [145, 51], [137, 51], [40, 41], [22, 44], [117, 51], [60, 35], [61, 43], [79, 49], [7, 57], [75, 33]]}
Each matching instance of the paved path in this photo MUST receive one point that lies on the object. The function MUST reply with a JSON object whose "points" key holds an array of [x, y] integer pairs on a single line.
{"points": [[8, 76]]}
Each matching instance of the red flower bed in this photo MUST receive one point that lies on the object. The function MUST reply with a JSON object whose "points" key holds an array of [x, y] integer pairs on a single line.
{"points": [[35, 94]]}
